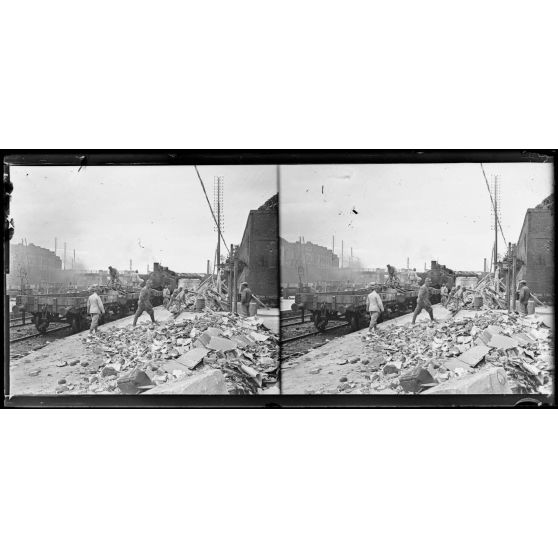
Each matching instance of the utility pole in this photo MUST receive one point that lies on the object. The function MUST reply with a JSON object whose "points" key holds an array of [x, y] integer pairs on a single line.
{"points": [[218, 206], [496, 215], [55, 245], [485, 265], [407, 263], [235, 282]]}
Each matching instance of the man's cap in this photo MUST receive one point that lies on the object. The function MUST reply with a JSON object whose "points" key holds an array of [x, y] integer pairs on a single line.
{"points": [[244, 283], [523, 282]]}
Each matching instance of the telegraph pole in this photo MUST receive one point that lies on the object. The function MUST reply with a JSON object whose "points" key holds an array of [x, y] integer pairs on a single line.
{"points": [[218, 205], [496, 215]]}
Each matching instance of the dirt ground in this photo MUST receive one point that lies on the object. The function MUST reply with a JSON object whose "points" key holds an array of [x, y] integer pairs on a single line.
{"points": [[321, 369], [38, 373]]}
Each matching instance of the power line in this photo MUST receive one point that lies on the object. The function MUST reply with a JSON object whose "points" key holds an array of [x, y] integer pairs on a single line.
{"points": [[210, 208], [493, 204]]}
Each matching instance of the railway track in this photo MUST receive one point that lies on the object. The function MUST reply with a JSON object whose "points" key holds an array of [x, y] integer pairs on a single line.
{"points": [[38, 334], [312, 333]]}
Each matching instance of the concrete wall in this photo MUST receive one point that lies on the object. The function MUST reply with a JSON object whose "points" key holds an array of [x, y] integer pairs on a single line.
{"points": [[535, 249]]}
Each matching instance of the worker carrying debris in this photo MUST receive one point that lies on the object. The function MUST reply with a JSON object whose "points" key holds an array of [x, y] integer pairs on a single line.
{"points": [[524, 295], [95, 309], [144, 302], [375, 306], [423, 301], [245, 298]]}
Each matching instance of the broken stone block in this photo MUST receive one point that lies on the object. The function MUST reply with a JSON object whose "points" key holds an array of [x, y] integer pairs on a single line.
{"points": [[473, 356], [211, 382], [221, 344], [192, 358], [62, 381], [502, 342], [390, 369], [456, 364], [130, 382], [491, 382], [415, 380], [109, 371]]}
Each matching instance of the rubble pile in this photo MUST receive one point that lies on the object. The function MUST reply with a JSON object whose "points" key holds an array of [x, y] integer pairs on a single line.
{"points": [[134, 360], [208, 291], [514, 348], [490, 290]]}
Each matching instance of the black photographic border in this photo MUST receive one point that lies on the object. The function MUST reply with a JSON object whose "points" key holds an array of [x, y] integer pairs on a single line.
{"points": [[97, 157]]}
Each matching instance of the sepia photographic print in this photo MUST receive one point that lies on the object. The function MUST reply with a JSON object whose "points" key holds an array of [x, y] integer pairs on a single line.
{"points": [[141, 280], [404, 279]]}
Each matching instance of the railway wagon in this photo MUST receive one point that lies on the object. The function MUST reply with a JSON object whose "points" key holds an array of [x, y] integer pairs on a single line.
{"points": [[72, 308], [351, 305]]}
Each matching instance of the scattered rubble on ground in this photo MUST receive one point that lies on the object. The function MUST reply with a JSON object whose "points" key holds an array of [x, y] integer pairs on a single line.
{"points": [[489, 352], [215, 352]]}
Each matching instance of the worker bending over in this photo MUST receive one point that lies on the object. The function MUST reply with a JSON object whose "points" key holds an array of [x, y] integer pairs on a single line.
{"points": [[375, 307], [144, 302], [423, 301]]}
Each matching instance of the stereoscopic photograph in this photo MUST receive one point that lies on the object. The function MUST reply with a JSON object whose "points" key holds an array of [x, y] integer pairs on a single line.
{"points": [[142, 280], [429, 279]]}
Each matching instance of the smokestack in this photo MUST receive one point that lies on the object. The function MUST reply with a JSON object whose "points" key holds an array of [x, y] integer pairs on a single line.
{"points": [[408, 263], [485, 265], [208, 266], [130, 265], [55, 245], [333, 245], [74, 261], [64, 256], [342, 254]]}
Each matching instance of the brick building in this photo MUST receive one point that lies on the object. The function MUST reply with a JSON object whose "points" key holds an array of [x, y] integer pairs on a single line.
{"points": [[32, 265], [535, 249], [307, 261]]}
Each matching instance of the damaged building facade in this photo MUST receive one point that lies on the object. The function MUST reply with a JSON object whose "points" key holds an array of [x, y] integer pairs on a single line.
{"points": [[258, 253], [535, 249]]}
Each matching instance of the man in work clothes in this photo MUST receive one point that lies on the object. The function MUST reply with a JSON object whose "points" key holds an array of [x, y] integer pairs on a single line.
{"points": [[524, 296], [144, 302], [375, 306], [245, 298], [444, 293], [166, 297], [95, 308], [423, 301]]}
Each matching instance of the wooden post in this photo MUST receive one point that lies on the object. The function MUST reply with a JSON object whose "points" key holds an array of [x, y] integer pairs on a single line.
{"points": [[508, 278], [230, 283], [235, 283], [514, 276]]}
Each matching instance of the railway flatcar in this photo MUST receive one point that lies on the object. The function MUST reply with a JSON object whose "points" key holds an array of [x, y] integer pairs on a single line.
{"points": [[351, 305], [72, 308]]}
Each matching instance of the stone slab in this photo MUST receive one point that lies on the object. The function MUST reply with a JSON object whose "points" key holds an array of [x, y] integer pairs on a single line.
{"points": [[502, 342], [491, 382], [473, 356], [221, 344], [211, 382], [193, 357]]}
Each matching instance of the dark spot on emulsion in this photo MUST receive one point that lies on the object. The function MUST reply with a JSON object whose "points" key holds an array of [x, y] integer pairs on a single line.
{"points": [[355, 211]]}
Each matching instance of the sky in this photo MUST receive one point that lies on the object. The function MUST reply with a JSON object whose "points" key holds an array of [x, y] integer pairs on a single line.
{"points": [[422, 212], [110, 215]]}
